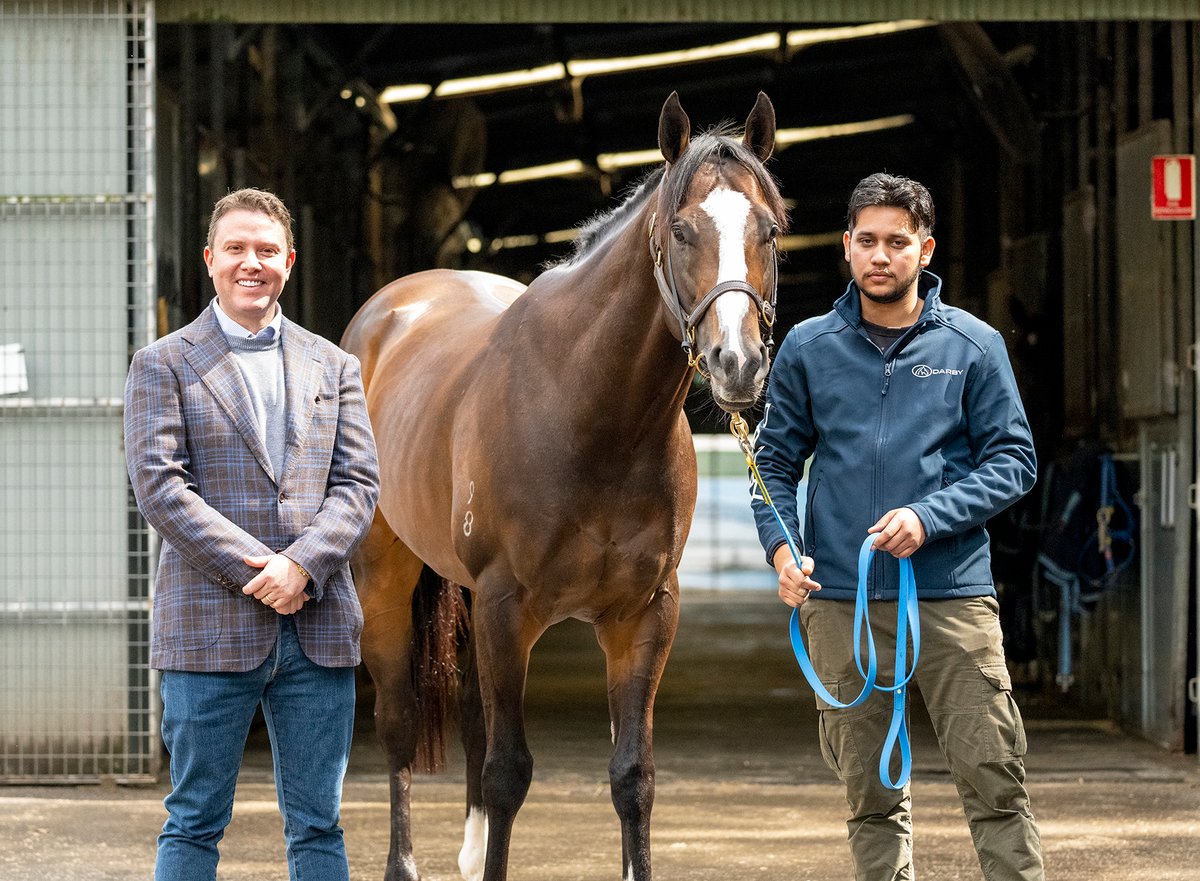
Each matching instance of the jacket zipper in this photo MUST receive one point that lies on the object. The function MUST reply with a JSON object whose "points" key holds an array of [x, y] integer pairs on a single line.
{"points": [[894, 350], [880, 441]]}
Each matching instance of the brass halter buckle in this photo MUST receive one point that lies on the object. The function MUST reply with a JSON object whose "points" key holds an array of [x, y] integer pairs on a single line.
{"points": [[695, 359]]}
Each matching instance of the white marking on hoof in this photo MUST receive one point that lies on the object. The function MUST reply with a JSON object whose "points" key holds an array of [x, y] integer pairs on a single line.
{"points": [[629, 873], [474, 849], [612, 731]]}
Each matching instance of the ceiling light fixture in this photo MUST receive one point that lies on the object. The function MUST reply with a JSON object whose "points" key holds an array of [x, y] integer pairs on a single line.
{"points": [[613, 161], [525, 241], [474, 181], [746, 46], [475, 85], [785, 137], [566, 168], [813, 36], [494, 82], [558, 236], [403, 94]]}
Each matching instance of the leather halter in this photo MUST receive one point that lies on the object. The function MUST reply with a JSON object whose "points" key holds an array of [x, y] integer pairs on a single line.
{"points": [[689, 320]]}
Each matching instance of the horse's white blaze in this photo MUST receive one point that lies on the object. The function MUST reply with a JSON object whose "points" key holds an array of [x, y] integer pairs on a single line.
{"points": [[474, 849], [730, 210]]}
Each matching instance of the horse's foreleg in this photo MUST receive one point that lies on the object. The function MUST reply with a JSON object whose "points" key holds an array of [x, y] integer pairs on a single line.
{"points": [[636, 651], [474, 740], [386, 572], [504, 636]]}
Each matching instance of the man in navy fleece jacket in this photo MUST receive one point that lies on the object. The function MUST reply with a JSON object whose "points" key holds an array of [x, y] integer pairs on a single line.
{"points": [[910, 412]]}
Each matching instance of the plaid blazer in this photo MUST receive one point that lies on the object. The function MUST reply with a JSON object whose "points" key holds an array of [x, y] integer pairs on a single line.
{"points": [[203, 479]]}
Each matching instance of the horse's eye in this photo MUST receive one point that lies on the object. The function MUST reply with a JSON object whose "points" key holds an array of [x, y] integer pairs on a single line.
{"points": [[773, 233], [677, 231]]}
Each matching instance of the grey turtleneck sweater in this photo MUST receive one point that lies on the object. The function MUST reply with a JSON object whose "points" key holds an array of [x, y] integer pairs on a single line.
{"points": [[261, 361]]}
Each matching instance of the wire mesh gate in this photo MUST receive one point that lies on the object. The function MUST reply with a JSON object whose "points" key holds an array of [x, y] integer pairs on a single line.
{"points": [[76, 299]]}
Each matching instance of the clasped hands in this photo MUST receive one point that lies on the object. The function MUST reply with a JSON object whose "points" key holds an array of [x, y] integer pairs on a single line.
{"points": [[900, 534], [279, 585]]}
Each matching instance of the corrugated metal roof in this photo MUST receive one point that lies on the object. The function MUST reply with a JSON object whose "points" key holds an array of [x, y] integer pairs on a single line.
{"points": [[483, 11]]}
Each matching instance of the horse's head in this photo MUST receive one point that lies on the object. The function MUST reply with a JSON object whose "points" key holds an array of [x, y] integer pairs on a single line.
{"points": [[713, 240]]}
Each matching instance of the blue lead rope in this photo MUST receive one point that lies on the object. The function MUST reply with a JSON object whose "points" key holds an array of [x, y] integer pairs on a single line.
{"points": [[907, 617]]}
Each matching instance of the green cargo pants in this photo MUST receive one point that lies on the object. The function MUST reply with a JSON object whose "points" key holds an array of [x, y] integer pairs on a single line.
{"points": [[963, 679]]}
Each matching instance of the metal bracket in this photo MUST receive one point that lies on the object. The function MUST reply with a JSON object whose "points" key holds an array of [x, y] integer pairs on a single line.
{"points": [[1193, 690]]}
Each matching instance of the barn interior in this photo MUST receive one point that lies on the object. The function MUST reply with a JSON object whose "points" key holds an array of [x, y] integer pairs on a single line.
{"points": [[403, 147]]}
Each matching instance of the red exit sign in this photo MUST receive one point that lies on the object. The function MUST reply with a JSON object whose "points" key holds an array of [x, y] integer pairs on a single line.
{"points": [[1173, 187]]}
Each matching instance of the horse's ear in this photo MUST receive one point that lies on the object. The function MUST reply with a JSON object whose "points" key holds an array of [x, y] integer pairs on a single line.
{"points": [[760, 128], [674, 128]]}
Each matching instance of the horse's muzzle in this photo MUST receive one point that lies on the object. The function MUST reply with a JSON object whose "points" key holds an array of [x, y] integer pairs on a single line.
{"points": [[736, 379]]}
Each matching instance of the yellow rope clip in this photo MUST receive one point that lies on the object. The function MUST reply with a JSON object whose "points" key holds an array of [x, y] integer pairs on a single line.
{"points": [[741, 431]]}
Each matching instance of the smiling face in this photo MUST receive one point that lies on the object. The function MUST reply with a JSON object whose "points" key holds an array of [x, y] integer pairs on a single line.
{"points": [[249, 263], [886, 253]]}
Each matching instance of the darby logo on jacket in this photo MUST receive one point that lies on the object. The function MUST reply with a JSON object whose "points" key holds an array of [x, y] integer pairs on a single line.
{"points": [[924, 371]]}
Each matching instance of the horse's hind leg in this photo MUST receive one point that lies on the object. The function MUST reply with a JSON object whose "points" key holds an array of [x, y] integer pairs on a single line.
{"points": [[636, 651], [386, 573], [474, 740]]}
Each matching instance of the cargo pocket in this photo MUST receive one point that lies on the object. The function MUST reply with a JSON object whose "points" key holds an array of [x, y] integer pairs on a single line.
{"points": [[836, 734], [1002, 733]]}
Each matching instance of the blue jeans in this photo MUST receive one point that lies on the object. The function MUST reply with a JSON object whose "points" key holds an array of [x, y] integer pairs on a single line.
{"points": [[206, 717]]}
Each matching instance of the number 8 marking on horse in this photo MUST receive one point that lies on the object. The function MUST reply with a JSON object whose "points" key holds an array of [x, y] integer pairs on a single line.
{"points": [[469, 520]]}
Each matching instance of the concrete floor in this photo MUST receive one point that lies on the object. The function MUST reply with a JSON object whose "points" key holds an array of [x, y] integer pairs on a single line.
{"points": [[742, 791]]}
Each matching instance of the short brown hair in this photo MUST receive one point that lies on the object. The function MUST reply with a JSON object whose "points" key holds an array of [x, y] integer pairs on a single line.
{"points": [[252, 199]]}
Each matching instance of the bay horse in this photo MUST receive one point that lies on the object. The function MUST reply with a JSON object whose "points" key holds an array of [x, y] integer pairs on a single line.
{"points": [[534, 449]]}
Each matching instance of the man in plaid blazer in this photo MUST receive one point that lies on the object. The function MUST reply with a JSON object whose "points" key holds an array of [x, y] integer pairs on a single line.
{"points": [[250, 451]]}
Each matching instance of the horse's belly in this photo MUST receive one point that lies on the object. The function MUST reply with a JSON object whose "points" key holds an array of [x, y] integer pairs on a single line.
{"points": [[578, 574]]}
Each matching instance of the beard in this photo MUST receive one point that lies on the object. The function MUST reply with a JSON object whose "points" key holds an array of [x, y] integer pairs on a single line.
{"points": [[903, 286]]}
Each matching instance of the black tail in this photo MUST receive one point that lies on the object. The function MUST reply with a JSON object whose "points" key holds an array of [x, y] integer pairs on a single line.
{"points": [[440, 622]]}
